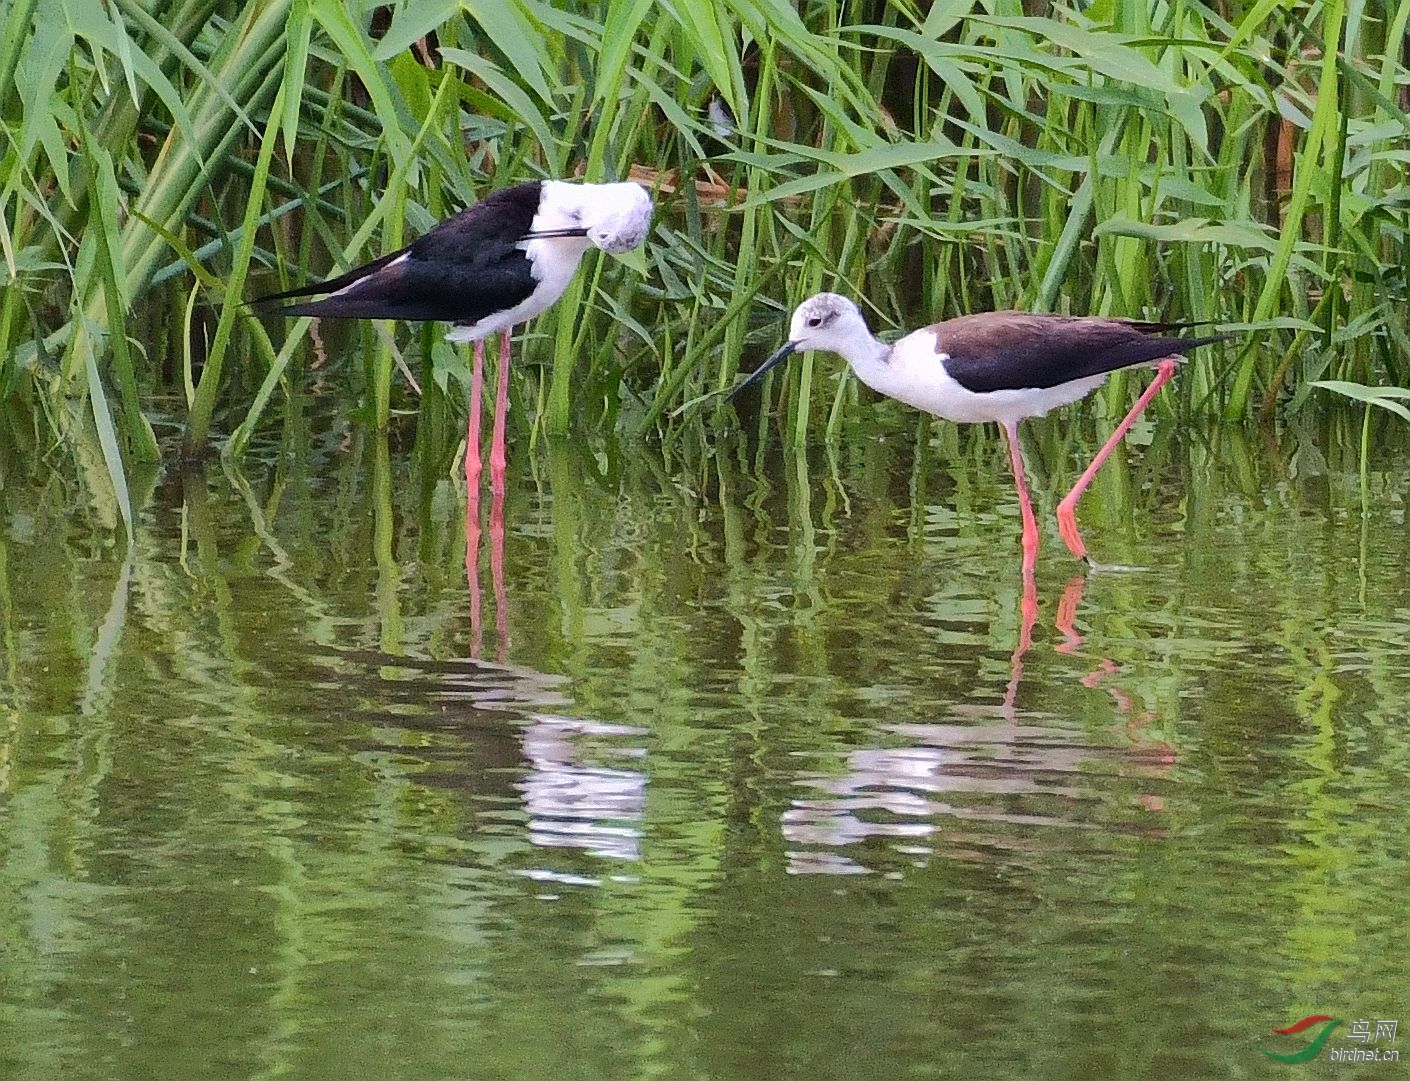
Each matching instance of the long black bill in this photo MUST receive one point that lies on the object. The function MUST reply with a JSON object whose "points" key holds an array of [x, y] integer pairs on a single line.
{"points": [[786, 351], [548, 234]]}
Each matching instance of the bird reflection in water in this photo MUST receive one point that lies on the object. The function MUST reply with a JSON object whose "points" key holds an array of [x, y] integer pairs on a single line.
{"points": [[473, 535], [549, 794], [990, 783], [574, 802]]}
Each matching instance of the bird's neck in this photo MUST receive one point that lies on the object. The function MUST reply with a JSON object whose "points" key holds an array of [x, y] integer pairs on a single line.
{"points": [[868, 356]]}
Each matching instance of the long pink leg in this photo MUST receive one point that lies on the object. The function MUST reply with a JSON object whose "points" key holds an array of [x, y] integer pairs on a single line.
{"points": [[501, 410], [472, 497], [1025, 504], [1067, 509], [1028, 603], [472, 423]]}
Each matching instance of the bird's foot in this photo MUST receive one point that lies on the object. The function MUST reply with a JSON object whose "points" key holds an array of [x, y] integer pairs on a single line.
{"points": [[1067, 529]]}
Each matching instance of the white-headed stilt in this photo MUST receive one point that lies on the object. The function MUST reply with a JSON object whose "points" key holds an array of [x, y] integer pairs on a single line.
{"points": [[995, 366], [487, 269]]}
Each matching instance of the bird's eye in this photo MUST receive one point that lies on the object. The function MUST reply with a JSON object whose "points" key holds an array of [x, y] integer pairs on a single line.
{"points": [[815, 320]]}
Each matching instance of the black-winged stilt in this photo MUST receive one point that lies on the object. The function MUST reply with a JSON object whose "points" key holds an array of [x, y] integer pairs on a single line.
{"points": [[995, 366], [490, 267]]}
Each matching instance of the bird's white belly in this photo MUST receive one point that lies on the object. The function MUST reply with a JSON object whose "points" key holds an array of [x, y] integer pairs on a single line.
{"points": [[915, 374]]}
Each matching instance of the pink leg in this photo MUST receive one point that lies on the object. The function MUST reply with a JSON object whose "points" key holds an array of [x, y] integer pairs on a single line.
{"points": [[1028, 602], [501, 410], [1067, 509], [472, 424], [1025, 504], [472, 497]]}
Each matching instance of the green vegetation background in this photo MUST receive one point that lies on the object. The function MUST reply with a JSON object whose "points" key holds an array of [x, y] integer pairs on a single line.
{"points": [[165, 160]]}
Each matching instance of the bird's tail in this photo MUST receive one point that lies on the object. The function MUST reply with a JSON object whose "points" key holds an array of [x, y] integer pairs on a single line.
{"points": [[267, 305]]}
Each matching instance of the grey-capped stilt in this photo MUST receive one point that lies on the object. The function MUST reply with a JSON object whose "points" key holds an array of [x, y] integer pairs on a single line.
{"points": [[995, 366]]}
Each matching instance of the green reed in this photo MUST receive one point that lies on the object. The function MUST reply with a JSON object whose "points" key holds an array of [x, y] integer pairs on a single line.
{"points": [[1242, 163]]}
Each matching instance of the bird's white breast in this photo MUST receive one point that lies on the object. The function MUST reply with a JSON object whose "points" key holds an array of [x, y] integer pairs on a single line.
{"points": [[552, 264]]}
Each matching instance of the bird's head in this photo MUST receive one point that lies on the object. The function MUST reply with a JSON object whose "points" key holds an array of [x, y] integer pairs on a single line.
{"points": [[613, 217], [826, 321], [617, 217]]}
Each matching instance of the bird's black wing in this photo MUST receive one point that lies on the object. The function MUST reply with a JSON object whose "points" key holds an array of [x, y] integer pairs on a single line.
{"points": [[1023, 351], [467, 267]]}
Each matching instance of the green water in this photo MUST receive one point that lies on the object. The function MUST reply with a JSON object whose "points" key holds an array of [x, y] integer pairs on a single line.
{"points": [[739, 773]]}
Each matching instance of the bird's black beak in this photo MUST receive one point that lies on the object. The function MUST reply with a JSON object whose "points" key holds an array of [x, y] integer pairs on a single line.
{"points": [[549, 234], [786, 351]]}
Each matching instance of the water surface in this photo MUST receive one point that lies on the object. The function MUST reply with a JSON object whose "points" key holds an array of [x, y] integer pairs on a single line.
{"points": [[725, 772]]}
